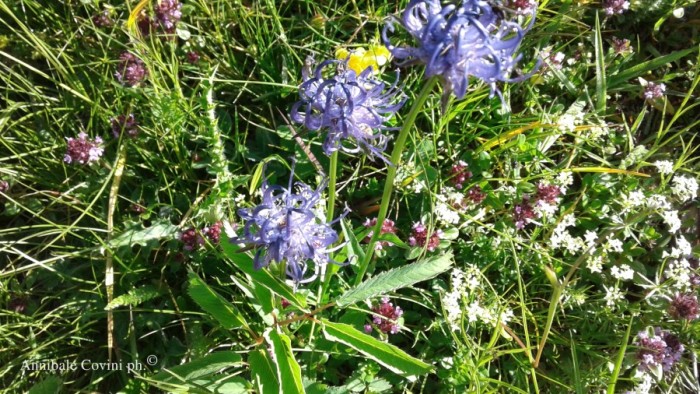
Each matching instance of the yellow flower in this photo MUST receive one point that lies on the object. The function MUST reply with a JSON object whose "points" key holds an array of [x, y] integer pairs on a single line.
{"points": [[361, 58]]}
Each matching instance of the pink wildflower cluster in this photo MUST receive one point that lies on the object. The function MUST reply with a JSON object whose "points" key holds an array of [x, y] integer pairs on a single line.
{"points": [[459, 174], [419, 237], [194, 239], [82, 150], [388, 227], [662, 349], [546, 198], [131, 70], [385, 318]]}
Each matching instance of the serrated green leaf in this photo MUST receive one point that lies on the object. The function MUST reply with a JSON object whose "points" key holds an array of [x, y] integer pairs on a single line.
{"points": [[214, 304], [245, 263], [383, 353], [200, 368], [288, 370], [134, 297], [140, 235], [263, 372], [397, 278]]}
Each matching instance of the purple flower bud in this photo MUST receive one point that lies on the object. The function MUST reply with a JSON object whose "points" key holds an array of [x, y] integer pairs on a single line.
{"points": [[621, 46], [654, 90], [386, 316], [459, 173], [352, 108], [82, 150], [131, 70], [168, 14], [286, 228], [102, 19], [192, 239], [4, 186], [684, 306], [419, 237], [388, 227], [368, 328], [476, 195], [612, 7], [523, 213], [124, 123], [456, 42]]}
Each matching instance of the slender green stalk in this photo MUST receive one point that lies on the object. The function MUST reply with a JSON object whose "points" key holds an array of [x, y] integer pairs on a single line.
{"points": [[391, 172], [333, 178], [620, 359]]}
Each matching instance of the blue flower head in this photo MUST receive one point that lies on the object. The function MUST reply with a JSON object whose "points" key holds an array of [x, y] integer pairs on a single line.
{"points": [[456, 42], [351, 107], [286, 228]]}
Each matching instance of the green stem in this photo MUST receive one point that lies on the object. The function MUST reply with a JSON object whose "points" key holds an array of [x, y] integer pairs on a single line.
{"points": [[333, 170], [391, 172]]}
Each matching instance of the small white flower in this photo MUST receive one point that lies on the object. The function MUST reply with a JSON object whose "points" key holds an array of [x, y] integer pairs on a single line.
{"points": [[590, 237], [446, 214], [614, 245], [672, 220], [657, 201], [595, 264], [664, 166], [612, 296], [566, 123], [623, 272], [634, 199], [685, 188]]}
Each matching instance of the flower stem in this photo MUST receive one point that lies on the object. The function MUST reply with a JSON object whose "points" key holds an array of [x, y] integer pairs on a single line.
{"points": [[391, 172], [333, 170]]}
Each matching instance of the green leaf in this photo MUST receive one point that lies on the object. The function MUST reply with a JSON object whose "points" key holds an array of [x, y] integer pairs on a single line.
{"points": [[245, 263], [210, 301], [50, 385], [397, 278], [641, 68], [383, 353], [354, 250], [600, 85], [134, 297], [199, 368], [141, 235], [288, 370], [263, 372]]}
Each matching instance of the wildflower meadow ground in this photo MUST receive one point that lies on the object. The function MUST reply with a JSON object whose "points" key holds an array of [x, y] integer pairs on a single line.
{"points": [[366, 196]]}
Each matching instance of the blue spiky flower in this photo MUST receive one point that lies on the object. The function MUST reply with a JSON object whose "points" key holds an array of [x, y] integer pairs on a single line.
{"points": [[456, 42], [286, 228], [353, 108]]}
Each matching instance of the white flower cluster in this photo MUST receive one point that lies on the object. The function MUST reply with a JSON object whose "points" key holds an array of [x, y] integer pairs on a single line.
{"points": [[657, 202], [622, 272], [664, 166], [464, 286], [564, 179], [562, 239], [679, 270], [685, 188]]}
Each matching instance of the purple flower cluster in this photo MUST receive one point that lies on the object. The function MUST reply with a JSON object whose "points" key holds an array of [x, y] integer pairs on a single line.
{"points": [[131, 71], [388, 227], [684, 307], [621, 46], [547, 193], [126, 124], [476, 195], [456, 42], [82, 150], [654, 90], [612, 7], [523, 213], [459, 173], [285, 228], [194, 239], [662, 349], [419, 237], [4, 186], [102, 19], [168, 14], [385, 318], [351, 107]]}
